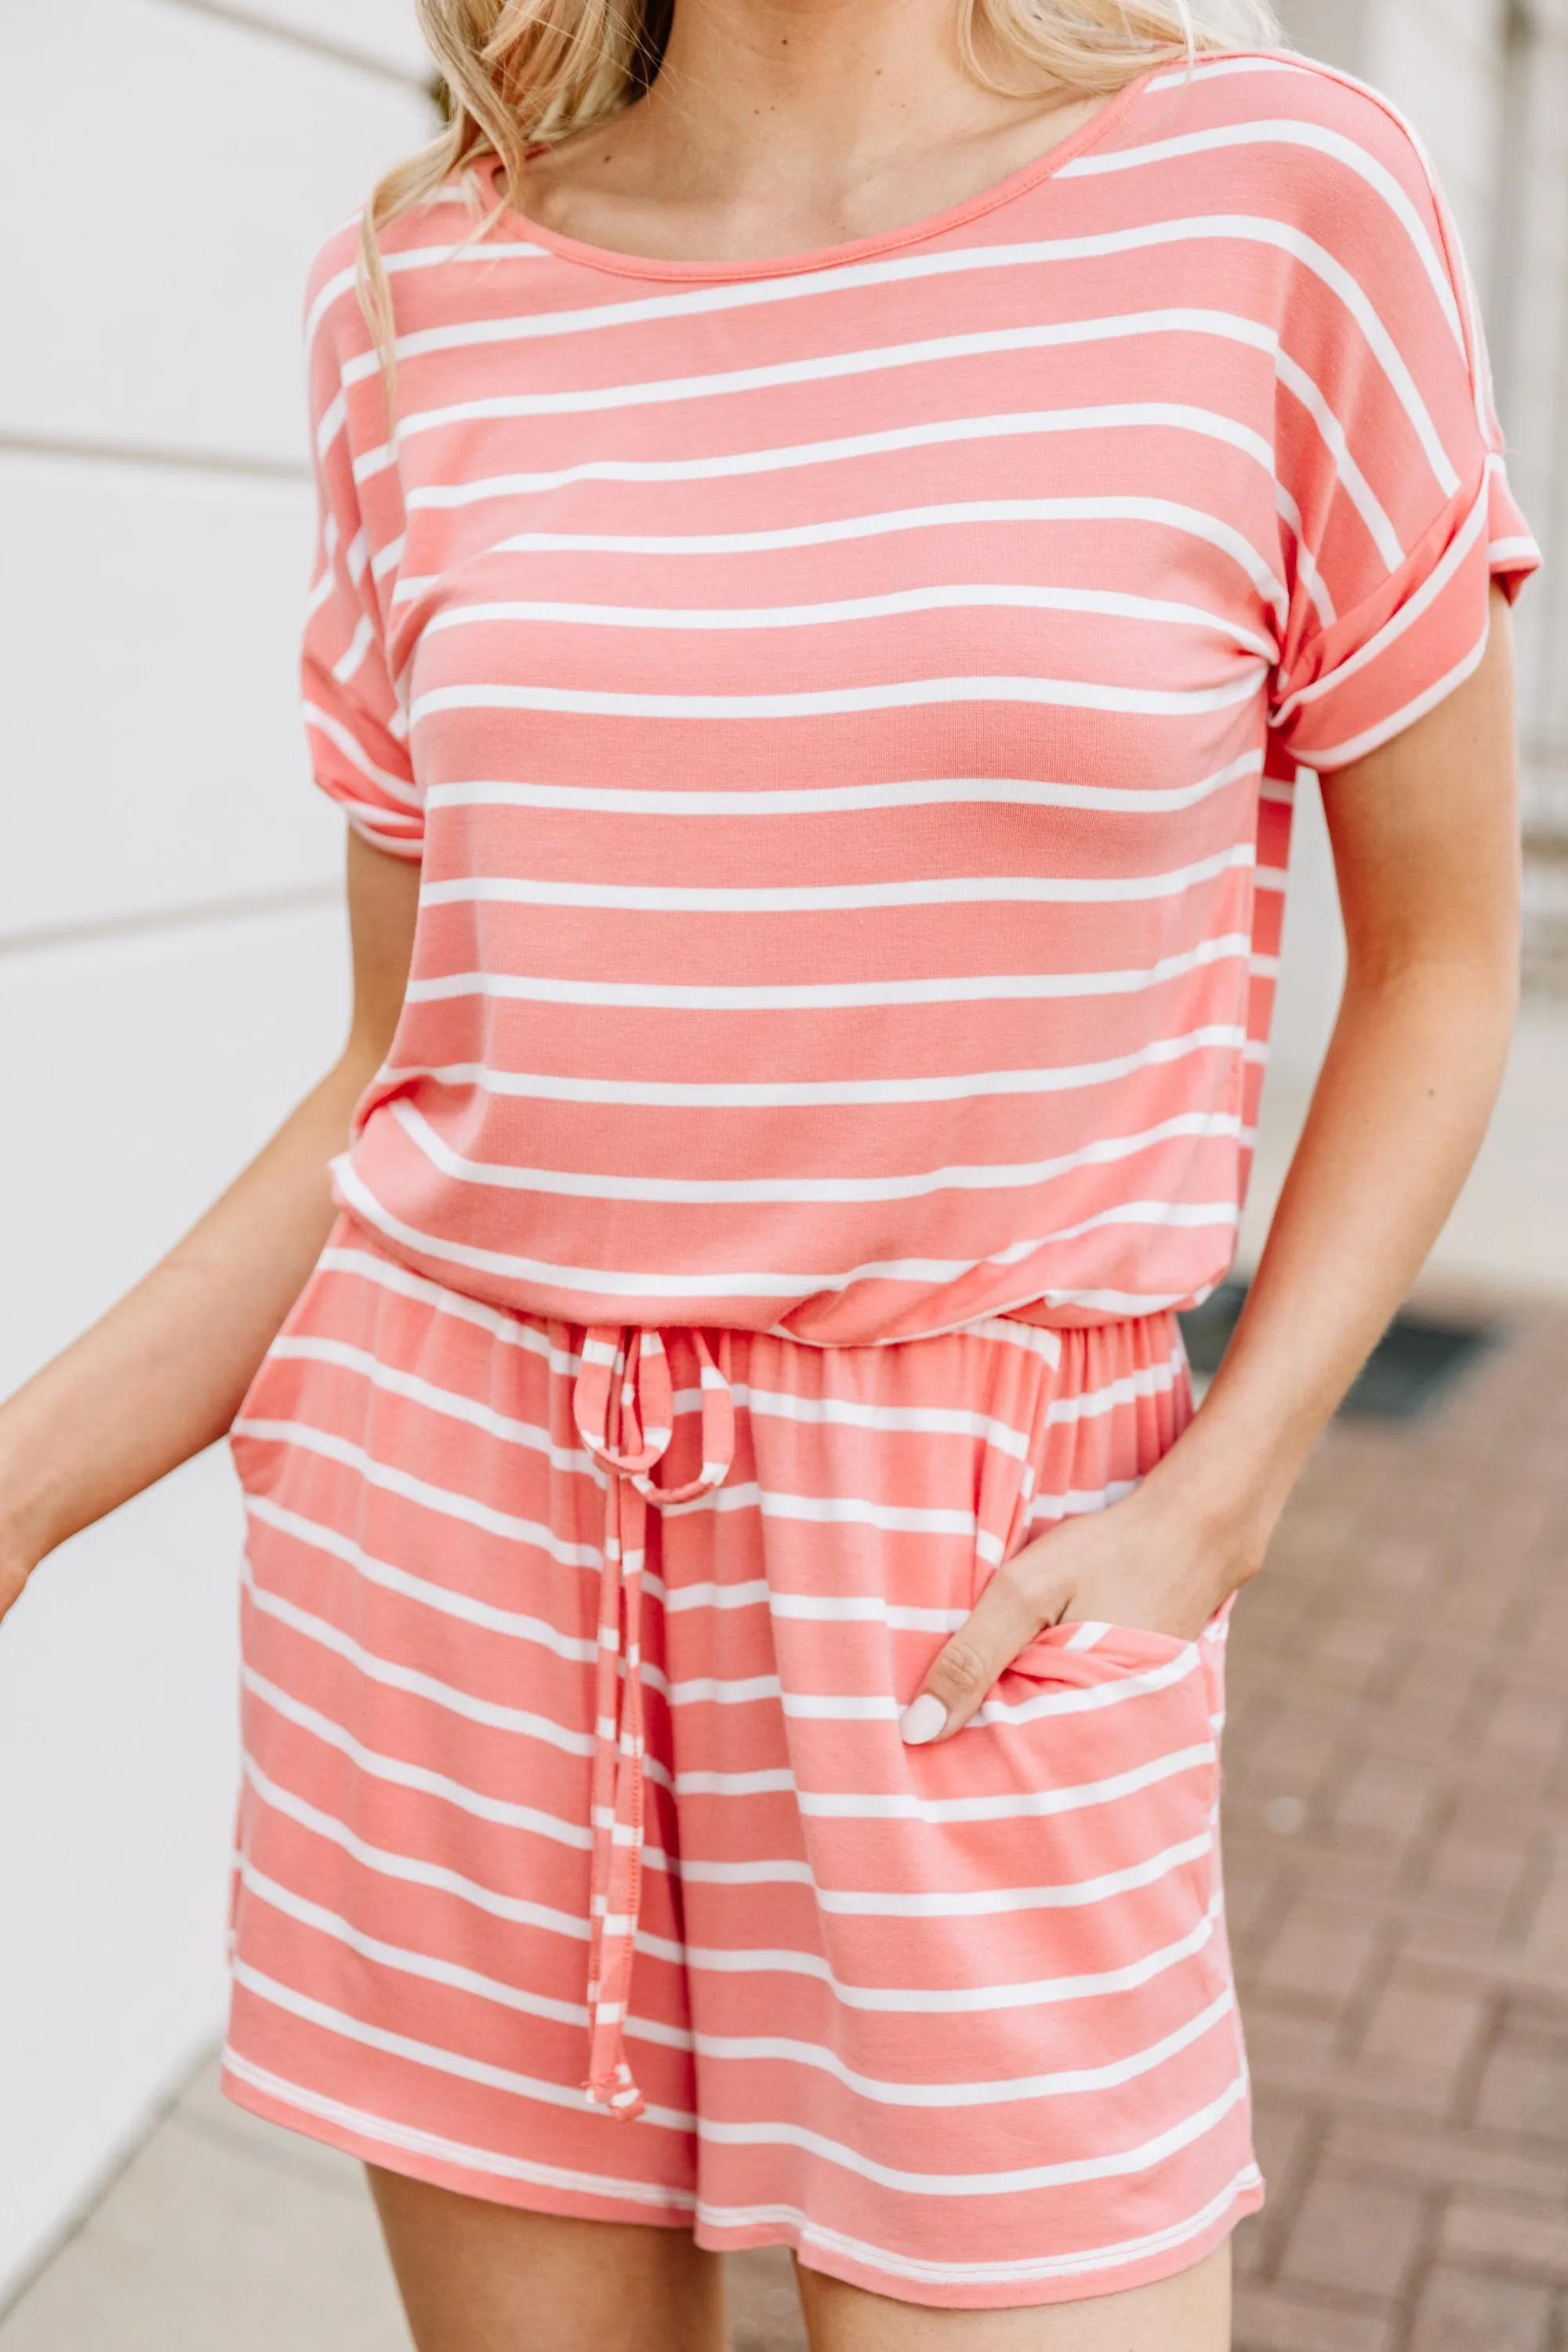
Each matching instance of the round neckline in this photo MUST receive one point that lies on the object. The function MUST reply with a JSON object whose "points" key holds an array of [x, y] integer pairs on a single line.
{"points": [[614, 263]]}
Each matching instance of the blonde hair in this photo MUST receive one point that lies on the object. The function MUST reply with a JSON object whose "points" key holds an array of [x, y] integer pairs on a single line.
{"points": [[512, 72]]}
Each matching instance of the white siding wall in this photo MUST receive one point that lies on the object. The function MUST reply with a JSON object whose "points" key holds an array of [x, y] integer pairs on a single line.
{"points": [[171, 965]]}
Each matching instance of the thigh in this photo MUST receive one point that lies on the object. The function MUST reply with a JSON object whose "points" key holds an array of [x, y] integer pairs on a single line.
{"points": [[477, 2277], [1189, 2313]]}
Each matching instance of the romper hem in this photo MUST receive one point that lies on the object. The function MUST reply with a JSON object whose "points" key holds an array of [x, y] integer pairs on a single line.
{"points": [[501, 2180], [1178, 2248]]}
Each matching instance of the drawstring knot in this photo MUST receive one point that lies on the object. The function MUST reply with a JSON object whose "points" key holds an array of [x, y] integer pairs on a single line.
{"points": [[624, 1407]]}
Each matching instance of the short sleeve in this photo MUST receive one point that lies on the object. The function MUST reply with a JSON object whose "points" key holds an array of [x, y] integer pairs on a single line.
{"points": [[1393, 494], [352, 717]]}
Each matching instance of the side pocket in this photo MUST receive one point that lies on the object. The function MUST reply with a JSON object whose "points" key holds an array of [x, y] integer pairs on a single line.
{"points": [[1116, 1721], [253, 1404]]}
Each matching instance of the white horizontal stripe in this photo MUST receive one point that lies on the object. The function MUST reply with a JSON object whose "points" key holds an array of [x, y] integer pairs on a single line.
{"points": [[519, 1721], [592, 1185], [852, 1413], [324, 590], [334, 417], [1166, 514], [395, 1382], [828, 1510], [832, 800], [344, 668], [433, 1970], [381, 2130], [512, 1331], [423, 257], [403, 1775], [381, 827], [915, 694], [952, 1999], [1021, 1804], [824, 367], [896, 603], [414, 1870], [424, 2053], [1093, 1698], [699, 1094], [757, 1593], [928, 1272], [1340, 755], [935, 433], [445, 1499], [1353, 481], [1014, 2180], [421, 1589], [1314, 136], [1068, 2083], [1162, 1214], [1148, 1380], [1026, 2269], [813, 996], [1307, 571], [1006, 1330], [1203, 68], [831, 897], [1408, 613], [1030, 1804], [983, 1903], [1076, 1502], [353, 751]]}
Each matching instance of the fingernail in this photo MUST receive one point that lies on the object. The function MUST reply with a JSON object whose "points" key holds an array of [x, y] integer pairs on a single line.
{"points": [[921, 1720]]}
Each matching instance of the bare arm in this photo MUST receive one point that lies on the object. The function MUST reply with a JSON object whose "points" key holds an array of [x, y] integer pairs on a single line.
{"points": [[1424, 841], [162, 1374]]}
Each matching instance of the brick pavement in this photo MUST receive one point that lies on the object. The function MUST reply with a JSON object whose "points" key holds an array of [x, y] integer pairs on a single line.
{"points": [[1396, 1846]]}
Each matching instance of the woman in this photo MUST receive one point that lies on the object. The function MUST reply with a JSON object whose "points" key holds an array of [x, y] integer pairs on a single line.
{"points": [[840, 521]]}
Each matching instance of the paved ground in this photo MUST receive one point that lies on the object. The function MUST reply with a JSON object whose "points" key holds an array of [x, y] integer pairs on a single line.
{"points": [[1397, 1855], [1397, 1848]]}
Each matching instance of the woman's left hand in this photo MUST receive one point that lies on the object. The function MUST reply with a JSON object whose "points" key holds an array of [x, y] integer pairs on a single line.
{"points": [[1131, 1564]]}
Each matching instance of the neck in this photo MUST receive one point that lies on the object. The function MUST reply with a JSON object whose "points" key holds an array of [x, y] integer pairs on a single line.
{"points": [[784, 126], [768, 91]]}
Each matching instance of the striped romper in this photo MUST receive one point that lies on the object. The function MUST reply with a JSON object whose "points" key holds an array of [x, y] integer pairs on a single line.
{"points": [[848, 708]]}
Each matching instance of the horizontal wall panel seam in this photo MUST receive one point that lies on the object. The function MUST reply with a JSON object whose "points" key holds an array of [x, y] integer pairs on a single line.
{"points": [[129, 453], [339, 53], [60, 938]]}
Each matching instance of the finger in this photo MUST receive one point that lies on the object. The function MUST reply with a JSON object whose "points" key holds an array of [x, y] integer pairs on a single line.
{"points": [[1003, 1621]]}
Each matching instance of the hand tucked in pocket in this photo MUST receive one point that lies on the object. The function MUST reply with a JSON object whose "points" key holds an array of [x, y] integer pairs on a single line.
{"points": [[1131, 1565]]}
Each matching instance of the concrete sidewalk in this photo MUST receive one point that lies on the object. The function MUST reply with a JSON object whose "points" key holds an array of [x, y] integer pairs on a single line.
{"points": [[1397, 1825]]}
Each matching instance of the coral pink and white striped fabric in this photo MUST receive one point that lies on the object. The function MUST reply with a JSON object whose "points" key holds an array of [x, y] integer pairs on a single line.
{"points": [[956, 2022], [848, 708]]}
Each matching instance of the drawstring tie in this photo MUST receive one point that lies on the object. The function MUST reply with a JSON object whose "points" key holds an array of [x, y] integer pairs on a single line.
{"points": [[625, 1411]]}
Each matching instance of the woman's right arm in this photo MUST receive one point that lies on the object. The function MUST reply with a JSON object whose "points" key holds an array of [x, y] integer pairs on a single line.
{"points": [[160, 1376]]}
